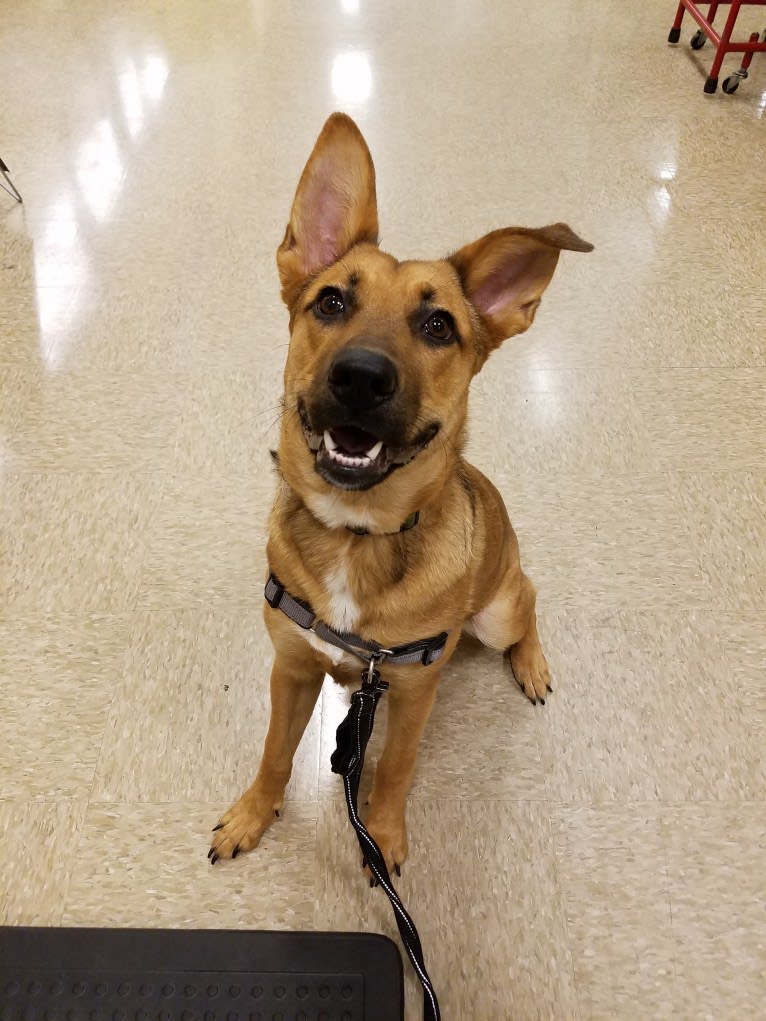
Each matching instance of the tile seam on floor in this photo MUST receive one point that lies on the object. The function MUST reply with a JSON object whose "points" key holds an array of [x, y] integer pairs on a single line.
{"points": [[565, 914]]}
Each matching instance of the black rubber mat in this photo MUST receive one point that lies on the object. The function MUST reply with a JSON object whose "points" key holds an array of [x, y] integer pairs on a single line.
{"points": [[197, 975]]}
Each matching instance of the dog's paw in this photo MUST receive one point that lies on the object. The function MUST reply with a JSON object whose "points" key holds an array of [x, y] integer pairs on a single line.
{"points": [[531, 671], [241, 828], [390, 834]]}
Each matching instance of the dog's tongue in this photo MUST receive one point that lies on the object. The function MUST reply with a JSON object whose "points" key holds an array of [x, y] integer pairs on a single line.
{"points": [[353, 440]]}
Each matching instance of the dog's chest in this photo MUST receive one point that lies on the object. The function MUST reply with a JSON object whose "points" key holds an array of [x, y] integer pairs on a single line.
{"points": [[342, 613]]}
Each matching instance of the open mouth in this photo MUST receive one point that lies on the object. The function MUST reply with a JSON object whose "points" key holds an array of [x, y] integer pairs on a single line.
{"points": [[353, 458], [351, 447]]}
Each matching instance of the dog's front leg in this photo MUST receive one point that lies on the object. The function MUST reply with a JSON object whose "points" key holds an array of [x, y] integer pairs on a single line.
{"points": [[295, 687], [408, 710]]}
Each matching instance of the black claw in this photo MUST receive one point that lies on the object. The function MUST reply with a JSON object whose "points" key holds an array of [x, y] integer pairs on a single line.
{"points": [[276, 812], [214, 859], [218, 827], [210, 853], [364, 863], [542, 701], [549, 687], [372, 882], [397, 870], [235, 852]]}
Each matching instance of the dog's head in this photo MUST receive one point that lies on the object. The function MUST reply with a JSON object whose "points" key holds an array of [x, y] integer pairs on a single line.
{"points": [[382, 352]]}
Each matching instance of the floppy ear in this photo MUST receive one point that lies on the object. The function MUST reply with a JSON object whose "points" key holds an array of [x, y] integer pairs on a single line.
{"points": [[334, 207], [505, 273]]}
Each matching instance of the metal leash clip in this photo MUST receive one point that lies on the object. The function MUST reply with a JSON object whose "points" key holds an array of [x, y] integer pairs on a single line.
{"points": [[371, 679]]}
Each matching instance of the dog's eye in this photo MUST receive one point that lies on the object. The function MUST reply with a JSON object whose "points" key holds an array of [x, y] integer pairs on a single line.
{"points": [[440, 327], [330, 302]]}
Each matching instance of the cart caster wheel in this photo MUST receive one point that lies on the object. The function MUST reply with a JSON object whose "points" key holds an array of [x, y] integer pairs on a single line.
{"points": [[674, 35], [711, 85], [730, 85], [698, 40]]}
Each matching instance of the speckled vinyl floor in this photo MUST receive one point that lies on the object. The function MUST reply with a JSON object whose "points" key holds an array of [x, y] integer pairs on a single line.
{"points": [[599, 858]]}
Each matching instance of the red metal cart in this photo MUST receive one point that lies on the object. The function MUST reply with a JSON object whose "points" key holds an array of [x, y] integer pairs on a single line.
{"points": [[722, 41]]}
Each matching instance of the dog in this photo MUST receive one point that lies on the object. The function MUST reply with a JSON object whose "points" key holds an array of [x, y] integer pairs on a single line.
{"points": [[379, 524]]}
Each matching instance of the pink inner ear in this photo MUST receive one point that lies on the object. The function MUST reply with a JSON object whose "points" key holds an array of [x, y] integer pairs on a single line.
{"points": [[511, 280], [324, 217]]}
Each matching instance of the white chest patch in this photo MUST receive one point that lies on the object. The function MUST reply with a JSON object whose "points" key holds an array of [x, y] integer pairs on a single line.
{"points": [[344, 611], [342, 614], [334, 655]]}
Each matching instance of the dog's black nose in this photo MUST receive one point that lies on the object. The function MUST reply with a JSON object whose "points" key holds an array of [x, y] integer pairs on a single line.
{"points": [[361, 378]]}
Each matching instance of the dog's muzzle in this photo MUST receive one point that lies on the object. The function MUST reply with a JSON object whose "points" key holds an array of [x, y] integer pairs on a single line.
{"points": [[357, 420]]}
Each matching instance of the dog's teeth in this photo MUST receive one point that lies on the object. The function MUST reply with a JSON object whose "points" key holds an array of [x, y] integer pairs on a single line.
{"points": [[329, 442], [373, 452], [347, 460]]}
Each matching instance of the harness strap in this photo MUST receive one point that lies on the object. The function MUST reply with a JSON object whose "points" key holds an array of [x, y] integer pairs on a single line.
{"points": [[424, 650], [348, 759]]}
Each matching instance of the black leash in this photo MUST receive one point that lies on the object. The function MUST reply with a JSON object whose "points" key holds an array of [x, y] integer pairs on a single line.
{"points": [[351, 743], [348, 760]]}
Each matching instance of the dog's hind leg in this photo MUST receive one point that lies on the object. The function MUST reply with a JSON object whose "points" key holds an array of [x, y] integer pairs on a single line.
{"points": [[295, 687], [508, 623]]}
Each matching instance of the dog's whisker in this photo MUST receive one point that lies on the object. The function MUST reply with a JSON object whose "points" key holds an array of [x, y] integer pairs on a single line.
{"points": [[277, 410], [270, 410]]}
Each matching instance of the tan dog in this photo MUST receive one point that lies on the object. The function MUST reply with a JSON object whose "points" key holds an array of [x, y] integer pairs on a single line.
{"points": [[381, 356]]}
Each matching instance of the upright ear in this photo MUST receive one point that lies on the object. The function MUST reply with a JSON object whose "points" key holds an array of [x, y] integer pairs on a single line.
{"points": [[334, 207], [505, 273]]}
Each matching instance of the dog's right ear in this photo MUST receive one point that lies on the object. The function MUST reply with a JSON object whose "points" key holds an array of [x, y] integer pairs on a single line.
{"points": [[334, 207]]}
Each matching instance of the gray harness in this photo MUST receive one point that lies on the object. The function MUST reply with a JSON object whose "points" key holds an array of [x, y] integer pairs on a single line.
{"points": [[424, 650]]}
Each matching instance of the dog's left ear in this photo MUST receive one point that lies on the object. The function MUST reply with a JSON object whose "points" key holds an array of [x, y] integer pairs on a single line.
{"points": [[505, 273], [334, 207]]}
